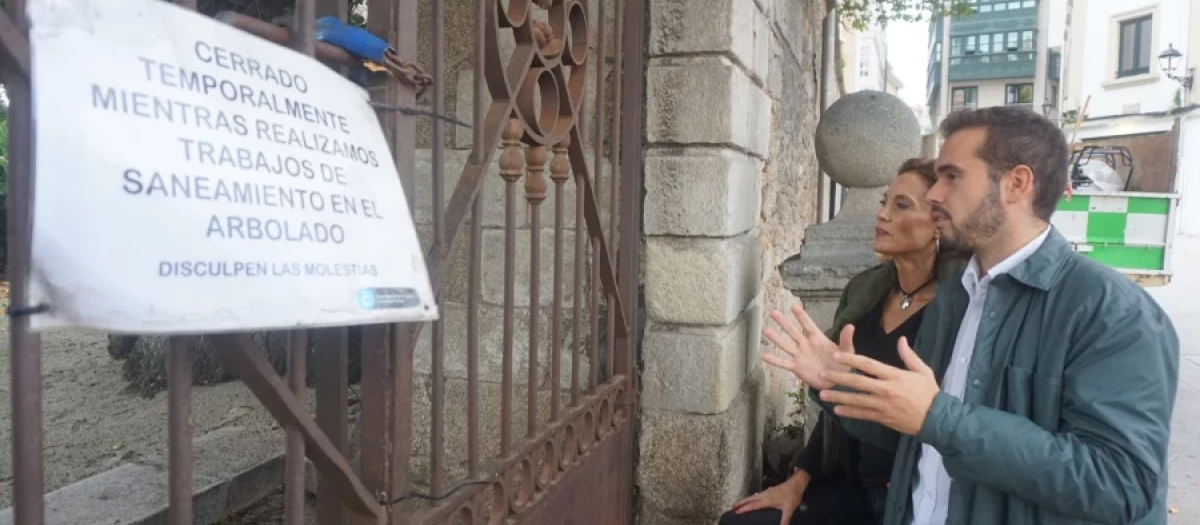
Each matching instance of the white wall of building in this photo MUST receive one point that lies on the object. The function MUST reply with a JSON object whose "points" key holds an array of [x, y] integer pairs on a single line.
{"points": [[923, 119], [1188, 173], [893, 82], [1056, 22], [1093, 48], [864, 55]]}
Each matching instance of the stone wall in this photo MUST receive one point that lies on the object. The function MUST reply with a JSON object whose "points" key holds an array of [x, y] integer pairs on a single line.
{"points": [[730, 182]]}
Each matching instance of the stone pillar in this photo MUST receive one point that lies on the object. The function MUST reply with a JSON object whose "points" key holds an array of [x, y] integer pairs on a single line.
{"points": [[730, 181], [862, 140]]}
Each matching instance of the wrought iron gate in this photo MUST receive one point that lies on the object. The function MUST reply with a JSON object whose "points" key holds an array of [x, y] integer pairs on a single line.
{"points": [[562, 456]]}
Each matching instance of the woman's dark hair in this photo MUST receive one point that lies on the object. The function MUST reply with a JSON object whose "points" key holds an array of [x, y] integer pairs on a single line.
{"points": [[921, 166]]}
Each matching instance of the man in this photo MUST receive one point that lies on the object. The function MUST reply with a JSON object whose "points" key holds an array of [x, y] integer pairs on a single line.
{"points": [[1057, 375]]}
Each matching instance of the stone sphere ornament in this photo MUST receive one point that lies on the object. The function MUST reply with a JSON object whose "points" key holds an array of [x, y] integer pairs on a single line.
{"points": [[864, 137]]}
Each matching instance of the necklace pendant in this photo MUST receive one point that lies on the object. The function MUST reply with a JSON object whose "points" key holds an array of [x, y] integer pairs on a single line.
{"points": [[905, 302]]}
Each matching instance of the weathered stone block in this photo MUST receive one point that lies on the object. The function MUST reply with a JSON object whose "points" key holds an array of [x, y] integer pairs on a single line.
{"points": [[696, 466], [731, 27], [701, 192], [777, 383], [493, 192], [791, 176], [682, 484], [493, 267], [799, 24], [452, 169], [649, 515], [706, 100], [698, 370], [491, 344], [701, 281], [490, 409]]}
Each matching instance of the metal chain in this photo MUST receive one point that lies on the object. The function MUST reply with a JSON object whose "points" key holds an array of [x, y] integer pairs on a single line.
{"points": [[411, 72]]}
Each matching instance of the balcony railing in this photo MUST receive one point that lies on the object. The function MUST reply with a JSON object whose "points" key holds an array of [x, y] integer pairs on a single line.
{"points": [[996, 58], [1016, 64]]}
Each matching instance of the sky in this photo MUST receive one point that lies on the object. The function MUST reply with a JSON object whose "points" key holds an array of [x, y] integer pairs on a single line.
{"points": [[908, 51]]}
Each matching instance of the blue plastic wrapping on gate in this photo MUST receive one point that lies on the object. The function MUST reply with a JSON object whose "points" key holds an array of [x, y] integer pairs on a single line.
{"points": [[355, 40]]}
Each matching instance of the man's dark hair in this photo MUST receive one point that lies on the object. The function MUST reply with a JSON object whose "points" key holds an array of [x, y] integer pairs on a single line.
{"points": [[1017, 136]]}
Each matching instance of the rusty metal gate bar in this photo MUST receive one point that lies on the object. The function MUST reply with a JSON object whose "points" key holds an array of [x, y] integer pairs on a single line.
{"points": [[28, 476], [529, 476]]}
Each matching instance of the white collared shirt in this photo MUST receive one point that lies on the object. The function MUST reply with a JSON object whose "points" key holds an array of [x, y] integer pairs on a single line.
{"points": [[931, 495]]}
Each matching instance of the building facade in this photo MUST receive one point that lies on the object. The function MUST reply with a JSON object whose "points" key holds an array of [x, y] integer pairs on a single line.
{"points": [[864, 60], [1120, 89], [996, 56], [1111, 54]]}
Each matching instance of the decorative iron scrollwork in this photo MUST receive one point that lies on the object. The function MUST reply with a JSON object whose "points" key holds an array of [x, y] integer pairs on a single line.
{"points": [[546, 74]]}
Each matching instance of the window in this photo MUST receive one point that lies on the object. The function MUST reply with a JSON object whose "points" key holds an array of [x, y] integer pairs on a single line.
{"points": [[1028, 4], [1014, 5], [963, 97], [1026, 40], [985, 8], [956, 46], [1134, 53], [985, 45], [970, 48], [937, 52], [1013, 40], [1018, 94], [998, 43]]}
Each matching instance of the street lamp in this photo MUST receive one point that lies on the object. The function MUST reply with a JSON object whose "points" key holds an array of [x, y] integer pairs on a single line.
{"points": [[1171, 59], [1047, 107]]}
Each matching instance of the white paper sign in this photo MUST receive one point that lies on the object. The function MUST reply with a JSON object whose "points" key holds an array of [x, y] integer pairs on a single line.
{"points": [[193, 178]]}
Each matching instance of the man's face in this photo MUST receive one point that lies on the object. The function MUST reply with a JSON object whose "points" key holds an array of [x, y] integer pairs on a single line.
{"points": [[966, 201]]}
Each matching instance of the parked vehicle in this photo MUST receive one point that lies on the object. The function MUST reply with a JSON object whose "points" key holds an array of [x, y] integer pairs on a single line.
{"points": [[1130, 231]]}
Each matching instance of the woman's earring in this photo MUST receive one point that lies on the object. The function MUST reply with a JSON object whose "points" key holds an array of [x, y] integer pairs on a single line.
{"points": [[937, 244]]}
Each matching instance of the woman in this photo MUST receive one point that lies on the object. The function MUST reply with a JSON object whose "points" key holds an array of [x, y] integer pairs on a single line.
{"points": [[838, 479]]}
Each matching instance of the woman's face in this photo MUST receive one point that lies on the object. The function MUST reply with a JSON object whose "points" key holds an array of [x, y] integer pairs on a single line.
{"points": [[904, 223]]}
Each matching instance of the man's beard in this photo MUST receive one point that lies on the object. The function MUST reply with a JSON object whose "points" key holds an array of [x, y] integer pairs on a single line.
{"points": [[981, 225]]}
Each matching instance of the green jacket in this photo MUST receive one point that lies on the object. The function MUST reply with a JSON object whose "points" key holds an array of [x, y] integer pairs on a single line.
{"points": [[1067, 412], [866, 289]]}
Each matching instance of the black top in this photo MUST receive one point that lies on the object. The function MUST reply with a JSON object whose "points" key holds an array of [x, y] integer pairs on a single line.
{"points": [[862, 463]]}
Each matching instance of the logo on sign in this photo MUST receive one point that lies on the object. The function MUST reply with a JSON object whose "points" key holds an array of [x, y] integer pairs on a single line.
{"points": [[387, 298], [366, 299]]}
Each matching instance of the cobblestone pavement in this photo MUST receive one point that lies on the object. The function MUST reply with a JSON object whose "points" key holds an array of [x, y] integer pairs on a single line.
{"points": [[1179, 299]]}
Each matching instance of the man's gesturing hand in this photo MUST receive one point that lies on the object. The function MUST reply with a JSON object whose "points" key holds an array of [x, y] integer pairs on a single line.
{"points": [[809, 351], [895, 398]]}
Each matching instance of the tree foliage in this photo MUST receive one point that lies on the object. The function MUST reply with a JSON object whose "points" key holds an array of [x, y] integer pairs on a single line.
{"points": [[861, 14]]}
